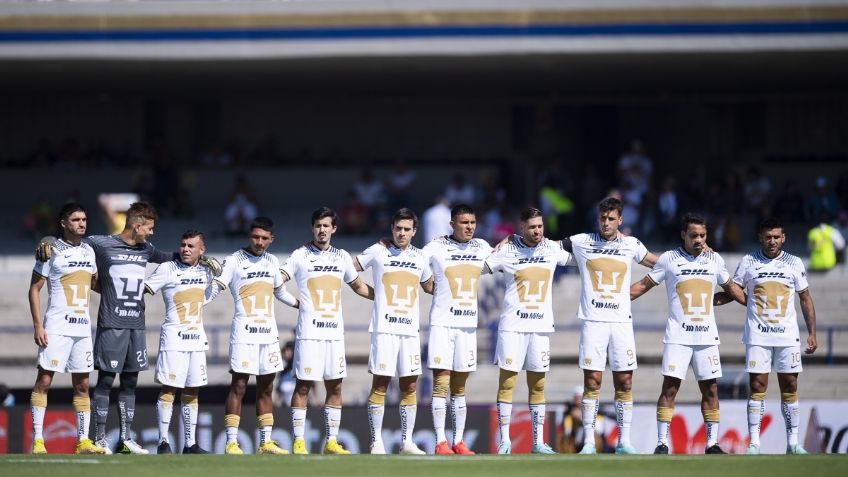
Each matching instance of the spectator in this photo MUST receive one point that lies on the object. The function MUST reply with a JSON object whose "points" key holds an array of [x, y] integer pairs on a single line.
{"points": [[436, 220], [241, 209], [459, 191], [789, 205], [401, 184], [668, 208], [822, 202], [757, 189], [353, 215], [635, 168], [557, 208], [371, 194], [824, 241]]}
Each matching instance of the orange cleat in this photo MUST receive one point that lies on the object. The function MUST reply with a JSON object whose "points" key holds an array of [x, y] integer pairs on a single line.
{"points": [[460, 449], [443, 448]]}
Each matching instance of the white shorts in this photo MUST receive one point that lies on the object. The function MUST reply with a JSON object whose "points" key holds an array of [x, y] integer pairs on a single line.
{"points": [[454, 349], [517, 350], [704, 359], [67, 354], [601, 338], [181, 369], [319, 360], [255, 359], [784, 359], [392, 354]]}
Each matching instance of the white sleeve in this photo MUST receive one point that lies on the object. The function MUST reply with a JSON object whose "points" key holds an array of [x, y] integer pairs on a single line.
{"points": [[426, 272], [227, 275], [800, 278], [159, 279], [494, 263], [43, 268], [722, 275], [641, 251], [290, 266], [657, 274], [563, 257], [366, 259], [350, 273]]}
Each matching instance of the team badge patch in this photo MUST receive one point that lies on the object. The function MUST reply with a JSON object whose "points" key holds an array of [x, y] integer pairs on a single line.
{"points": [[671, 367], [509, 361], [308, 370], [382, 366], [437, 360], [587, 360], [55, 362], [113, 363], [752, 363]]}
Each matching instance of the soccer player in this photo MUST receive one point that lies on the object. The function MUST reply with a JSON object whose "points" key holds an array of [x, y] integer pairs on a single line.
{"points": [[181, 361], [64, 337], [604, 260], [456, 261], [254, 278], [319, 354], [771, 278], [526, 321], [691, 335], [397, 269]]}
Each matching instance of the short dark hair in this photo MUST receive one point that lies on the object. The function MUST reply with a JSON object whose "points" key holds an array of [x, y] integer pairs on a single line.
{"points": [[530, 213], [141, 211], [690, 218], [609, 204], [69, 209], [192, 233], [263, 223], [770, 223], [405, 214], [323, 213], [460, 209]]}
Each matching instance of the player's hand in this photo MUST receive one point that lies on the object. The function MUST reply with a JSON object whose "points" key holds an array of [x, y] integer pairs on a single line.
{"points": [[45, 248], [41, 337], [212, 264], [812, 344], [503, 242]]}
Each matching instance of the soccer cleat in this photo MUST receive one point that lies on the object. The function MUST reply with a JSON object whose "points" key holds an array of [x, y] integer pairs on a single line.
{"points": [[271, 447], [332, 447], [588, 449], [377, 448], [443, 448], [409, 448], [194, 449], [299, 447], [103, 444], [164, 448], [753, 449], [85, 446], [625, 450], [505, 448], [38, 447], [661, 449], [542, 449], [461, 449], [232, 448], [714, 449], [796, 449], [130, 446]]}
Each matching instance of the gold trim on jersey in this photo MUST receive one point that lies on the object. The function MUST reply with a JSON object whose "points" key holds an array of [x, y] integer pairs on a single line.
{"points": [[463, 281], [400, 289], [76, 286], [189, 306], [607, 276], [532, 286], [772, 300], [257, 300], [696, 298], [325, 291]]}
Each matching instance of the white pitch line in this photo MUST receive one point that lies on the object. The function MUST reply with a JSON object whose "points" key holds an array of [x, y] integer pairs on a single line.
{"points": [[55, 461]]}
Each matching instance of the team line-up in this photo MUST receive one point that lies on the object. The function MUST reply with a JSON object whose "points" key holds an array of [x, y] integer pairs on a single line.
{"points": [[450, 267]]}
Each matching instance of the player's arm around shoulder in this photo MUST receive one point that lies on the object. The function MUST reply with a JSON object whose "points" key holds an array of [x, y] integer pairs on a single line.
{"points": [[652, 279]]}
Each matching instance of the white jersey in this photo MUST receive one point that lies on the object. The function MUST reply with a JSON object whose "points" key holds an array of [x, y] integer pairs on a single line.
{"points": [[527, 299], [397, 274], [319, 275], [771, 285], [68, 274], [456, 268], [252, 281], [690, 282], [605, 267], [184, 292]]}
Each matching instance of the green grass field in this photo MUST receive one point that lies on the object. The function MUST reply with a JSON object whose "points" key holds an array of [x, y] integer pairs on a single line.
{"points": [[429, 466]]}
